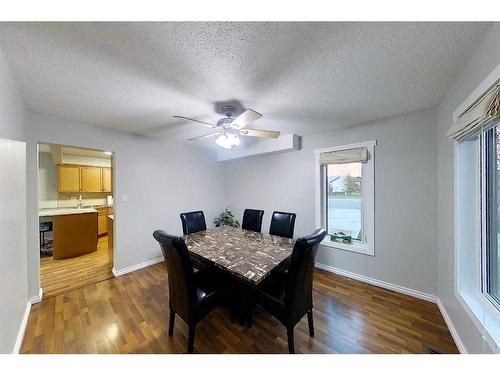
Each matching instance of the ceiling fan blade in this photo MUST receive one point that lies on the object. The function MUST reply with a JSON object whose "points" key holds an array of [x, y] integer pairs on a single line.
{"points": [[259, 133], [204, 136], [205, 124], [245, 118]]}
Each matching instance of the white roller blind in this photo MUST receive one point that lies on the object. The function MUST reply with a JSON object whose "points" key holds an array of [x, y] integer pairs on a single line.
{"points": [[481, 116], [352, 155]]}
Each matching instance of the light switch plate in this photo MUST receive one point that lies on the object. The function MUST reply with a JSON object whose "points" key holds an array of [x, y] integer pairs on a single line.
{"points": [[124, 197]]}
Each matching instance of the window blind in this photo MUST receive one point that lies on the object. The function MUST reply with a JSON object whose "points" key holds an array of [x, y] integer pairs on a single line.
{"points": [[352, 155], [480, 117]]}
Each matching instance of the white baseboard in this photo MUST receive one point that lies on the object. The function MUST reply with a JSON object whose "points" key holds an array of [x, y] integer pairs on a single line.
{"points": [[37, 299], [379, 283], [451, 328], [22, 329], [24, 321], [136, 267]]}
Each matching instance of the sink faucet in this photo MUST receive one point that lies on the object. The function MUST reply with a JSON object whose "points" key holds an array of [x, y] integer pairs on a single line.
{"points": [[80, 201]]}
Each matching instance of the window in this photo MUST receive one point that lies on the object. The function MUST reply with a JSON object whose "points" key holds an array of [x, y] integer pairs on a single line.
{"points": [[476, 132], [490, 212], [344, 196], [344, 200]]}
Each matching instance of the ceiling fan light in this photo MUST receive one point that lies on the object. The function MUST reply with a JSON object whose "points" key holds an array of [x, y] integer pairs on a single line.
{"points": [[234, 139], [224, 142]]}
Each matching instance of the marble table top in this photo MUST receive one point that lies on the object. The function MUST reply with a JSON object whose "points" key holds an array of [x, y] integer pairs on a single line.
{"points": [[246, 254]]}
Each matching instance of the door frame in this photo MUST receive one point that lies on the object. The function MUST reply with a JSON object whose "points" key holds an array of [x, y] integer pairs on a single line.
{"points": [[36, 299]]}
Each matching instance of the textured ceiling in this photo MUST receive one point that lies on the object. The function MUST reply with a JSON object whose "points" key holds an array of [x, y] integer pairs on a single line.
{"points": [[303, 77]]}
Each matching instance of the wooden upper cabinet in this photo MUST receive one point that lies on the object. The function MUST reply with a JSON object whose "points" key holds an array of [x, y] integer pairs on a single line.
{"points": [[68, 180], [91, 179], [83, 178], [106, 180]]}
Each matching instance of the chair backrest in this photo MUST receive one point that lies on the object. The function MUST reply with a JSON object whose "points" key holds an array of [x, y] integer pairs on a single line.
{"points": [[252, 220], [298, 291], [193, 222], [181, 282], [282, 224]]}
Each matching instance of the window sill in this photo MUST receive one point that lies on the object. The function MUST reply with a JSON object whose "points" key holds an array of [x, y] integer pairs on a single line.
{"points": [[485, 319], [356, 248]]}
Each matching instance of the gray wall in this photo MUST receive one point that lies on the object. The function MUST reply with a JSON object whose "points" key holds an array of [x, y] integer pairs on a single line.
{"points": [[13, 277], [161, 180], [484, 60], [405, 199], [11, 104]]}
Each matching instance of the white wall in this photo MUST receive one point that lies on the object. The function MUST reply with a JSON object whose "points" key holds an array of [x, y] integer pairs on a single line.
{"points": [[405, 196], [47, 178], [13, 277], [161, 180], [484, 60]]}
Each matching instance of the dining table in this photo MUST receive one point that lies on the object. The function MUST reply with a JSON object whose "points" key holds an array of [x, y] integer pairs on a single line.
{"points": [[247, 255]]}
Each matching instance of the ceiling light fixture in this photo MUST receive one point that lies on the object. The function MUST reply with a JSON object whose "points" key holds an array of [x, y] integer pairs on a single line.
{"points": [[227, 141]]}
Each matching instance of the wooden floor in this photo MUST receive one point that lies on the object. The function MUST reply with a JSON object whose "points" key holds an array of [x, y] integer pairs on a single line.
{"points": [[129, 314], [63, 275]]}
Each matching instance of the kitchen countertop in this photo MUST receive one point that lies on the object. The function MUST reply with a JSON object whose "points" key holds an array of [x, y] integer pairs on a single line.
{"points": [[64, 211]]}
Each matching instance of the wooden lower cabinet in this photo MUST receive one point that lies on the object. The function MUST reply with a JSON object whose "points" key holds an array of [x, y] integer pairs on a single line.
{"points": [[102, 220], [74, 235], [110, 237]]}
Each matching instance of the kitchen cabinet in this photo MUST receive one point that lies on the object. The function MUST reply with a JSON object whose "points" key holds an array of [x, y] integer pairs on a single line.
{"points": [[110, 239], [106, 180], [102, 221], [74, 235], [84, 179], [91, 179], [68, 180]]}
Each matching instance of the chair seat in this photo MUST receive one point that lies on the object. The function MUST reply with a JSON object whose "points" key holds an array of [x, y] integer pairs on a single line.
{"points": [[271, 296], [212, 288], [283, 268]]}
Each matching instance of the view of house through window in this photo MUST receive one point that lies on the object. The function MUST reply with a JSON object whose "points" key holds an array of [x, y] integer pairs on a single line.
{"points": [[344, 200]]}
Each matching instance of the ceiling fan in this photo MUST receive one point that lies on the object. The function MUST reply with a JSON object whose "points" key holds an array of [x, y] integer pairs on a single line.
{"points": [[229, 128]]}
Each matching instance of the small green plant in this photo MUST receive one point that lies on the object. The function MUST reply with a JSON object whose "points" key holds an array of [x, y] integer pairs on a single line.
{"points": [[226, 217]]}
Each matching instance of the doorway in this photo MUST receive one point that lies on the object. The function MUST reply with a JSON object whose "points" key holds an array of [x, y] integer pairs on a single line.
{"points": [[76, 217]]}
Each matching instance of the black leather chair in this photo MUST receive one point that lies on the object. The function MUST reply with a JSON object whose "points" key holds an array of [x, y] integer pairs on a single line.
{"points": [[282, 224], [191, 295], [252, 220], [193, 222], [288, 298]]}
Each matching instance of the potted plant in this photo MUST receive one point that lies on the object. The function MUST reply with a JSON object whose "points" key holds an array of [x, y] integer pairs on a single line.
{"points": [[226, 217]]}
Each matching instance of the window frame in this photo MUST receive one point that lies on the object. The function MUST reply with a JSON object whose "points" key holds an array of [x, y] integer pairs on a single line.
{"points": [[488, 207], [477, 306], [367, 247], [469, 277]]}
